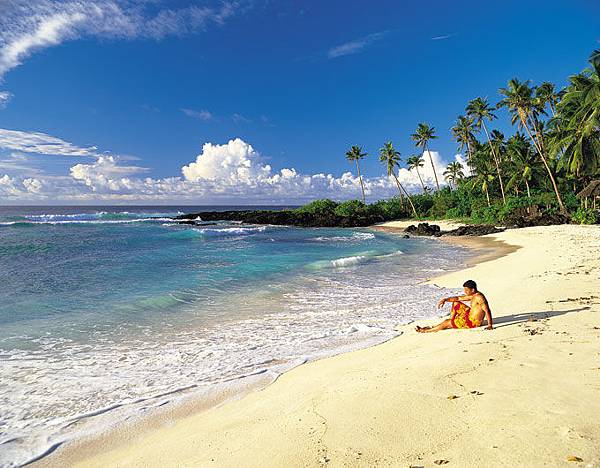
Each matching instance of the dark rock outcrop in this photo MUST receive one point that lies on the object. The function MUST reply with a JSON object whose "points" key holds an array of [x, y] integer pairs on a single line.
{"points": [[424, 229], [537, 219], [474, 230], [281, 218]]}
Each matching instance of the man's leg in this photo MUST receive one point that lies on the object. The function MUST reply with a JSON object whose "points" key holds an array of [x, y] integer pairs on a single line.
{"points": [[442, 326]]}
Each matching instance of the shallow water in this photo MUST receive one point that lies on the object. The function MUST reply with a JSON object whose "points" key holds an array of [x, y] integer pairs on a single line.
{"points": [[115, 308]]}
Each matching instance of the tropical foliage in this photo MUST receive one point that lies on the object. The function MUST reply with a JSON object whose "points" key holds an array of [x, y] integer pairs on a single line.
{"points": [[552, 155]]}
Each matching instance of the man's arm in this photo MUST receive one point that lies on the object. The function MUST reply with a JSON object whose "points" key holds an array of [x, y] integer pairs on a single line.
{"points": [[453, 299], [488, 315]]}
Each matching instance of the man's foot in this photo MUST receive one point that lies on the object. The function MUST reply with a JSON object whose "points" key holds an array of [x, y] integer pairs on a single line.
{"points": [[422, 329]]}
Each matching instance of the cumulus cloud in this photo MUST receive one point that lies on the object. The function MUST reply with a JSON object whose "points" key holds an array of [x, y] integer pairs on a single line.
{"points": [[234, 162], [355, 46], [463, 162], [104, 173], [222, 173], [30, 25]]}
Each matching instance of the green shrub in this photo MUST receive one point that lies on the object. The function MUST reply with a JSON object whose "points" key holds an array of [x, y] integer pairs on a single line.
{"points": [[390, 209], [486, 214], [584, 216], [423, 203], [351, 208], [319, 207]]}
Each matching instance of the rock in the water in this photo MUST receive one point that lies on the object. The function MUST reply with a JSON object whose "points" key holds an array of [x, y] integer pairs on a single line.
{"points": [[424, 229], [474, 230]]}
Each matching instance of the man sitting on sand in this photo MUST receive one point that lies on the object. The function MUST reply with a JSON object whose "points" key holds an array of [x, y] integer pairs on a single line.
{"points": [[463, 316]]}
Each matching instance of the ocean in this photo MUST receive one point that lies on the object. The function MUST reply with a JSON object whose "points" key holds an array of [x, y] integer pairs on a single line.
{"points": [[108, 312]]}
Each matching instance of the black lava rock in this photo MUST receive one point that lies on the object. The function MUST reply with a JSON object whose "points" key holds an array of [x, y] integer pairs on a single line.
{"points": [[474, 230], [424, 229]]}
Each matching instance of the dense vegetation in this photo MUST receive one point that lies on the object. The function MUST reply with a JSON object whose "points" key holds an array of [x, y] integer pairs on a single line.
{"points": [[553, 154]]}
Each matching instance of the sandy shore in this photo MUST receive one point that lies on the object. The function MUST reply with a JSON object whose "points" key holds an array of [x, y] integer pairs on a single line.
{"points": [[524, 394]]}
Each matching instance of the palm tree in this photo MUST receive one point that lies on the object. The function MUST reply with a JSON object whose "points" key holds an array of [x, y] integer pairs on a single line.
{"points": [[484, 170], [463, 134], [546, 95], [480, 111], [356, 154], [577, 124], [453, 173], [391, 158], [518, 98], [421, 137], [524, 161], [415, 162]]}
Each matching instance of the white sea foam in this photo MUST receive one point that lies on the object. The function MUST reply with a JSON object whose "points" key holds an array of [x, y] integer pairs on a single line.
{"points": [[60, 388], [356, 236], [348, 261], [87, 221], [231, 231]]}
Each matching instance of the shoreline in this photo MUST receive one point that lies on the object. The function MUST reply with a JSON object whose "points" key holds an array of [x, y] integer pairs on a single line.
{"points": [[248, 428], [485, 248], [120, 433]]}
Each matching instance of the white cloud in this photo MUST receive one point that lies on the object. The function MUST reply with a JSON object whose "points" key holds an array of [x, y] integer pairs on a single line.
{"points": [[200, 115], [233, 172], [239, 118], [41, 143], [33, 185], [355, 46], [104, 173], [5, 97], [463, 162], [442, 37], [234, 162], [30, 25]]}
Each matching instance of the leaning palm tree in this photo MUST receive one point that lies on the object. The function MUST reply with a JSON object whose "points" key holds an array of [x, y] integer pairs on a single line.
{"points": [[391, 158], [453, 173], [356, 154], [421, 137], [415, 162], [577, 124], [518, 98], [480, 111], [463, 134]]}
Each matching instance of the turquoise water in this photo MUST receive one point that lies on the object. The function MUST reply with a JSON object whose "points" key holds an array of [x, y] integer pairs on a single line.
{"points": [[106, 308]]}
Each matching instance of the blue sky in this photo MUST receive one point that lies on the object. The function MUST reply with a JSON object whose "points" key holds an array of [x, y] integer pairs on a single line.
{"points": [[148, 83]]}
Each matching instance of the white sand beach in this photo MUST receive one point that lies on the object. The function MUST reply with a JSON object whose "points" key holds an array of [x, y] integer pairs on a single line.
{"points": [[524, 394]]}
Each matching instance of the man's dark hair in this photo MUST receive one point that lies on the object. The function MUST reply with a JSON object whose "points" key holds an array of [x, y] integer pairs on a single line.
{"points": [[470, 284]]}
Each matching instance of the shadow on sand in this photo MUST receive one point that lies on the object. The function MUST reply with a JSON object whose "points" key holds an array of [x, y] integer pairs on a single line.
{"points": [[508, 320]]}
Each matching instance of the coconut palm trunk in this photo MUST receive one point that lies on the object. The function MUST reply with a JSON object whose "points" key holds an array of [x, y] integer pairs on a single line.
{"points": [[496, 162], [469, 163], [538, 148], [528, 192], [362, 187], [402, 189], [437, 184], [420, 179]]}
